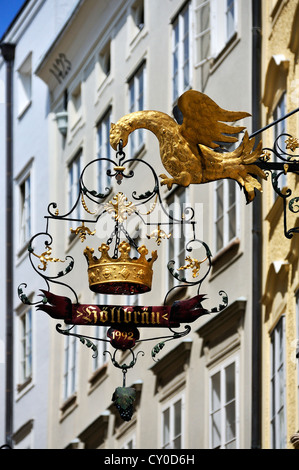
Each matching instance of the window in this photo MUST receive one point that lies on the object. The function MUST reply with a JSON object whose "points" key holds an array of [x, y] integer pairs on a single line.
{"points": [[25, 210], [230, 18], [280, 128], [104, 151], [70, 370], [76, 106], [181, 52], [172, 424], [224, 406], [129, 443], [226, 214], [137, 13], [74, 171], [105, 62], [176, 243], [24, 85], [137, 103], [25, 346], [100, 332], [223, 23], [278, 420], [203, 39]]}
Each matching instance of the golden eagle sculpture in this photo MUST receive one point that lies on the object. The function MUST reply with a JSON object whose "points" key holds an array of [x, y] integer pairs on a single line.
{"points": [[187, 146]]}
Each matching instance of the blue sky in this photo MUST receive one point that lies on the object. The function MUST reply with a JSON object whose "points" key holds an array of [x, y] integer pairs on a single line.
{"points": [[8, 10]]}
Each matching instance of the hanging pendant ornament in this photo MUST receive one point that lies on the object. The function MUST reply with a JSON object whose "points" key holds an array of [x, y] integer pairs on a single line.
{"points": [[123, 398]]}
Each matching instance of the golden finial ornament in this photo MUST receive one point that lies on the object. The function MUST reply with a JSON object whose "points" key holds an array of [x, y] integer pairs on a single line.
{"points": [[82, 230], [158, 235]]}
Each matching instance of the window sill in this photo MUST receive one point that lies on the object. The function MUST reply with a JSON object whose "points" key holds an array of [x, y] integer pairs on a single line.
{"points": [[98, 377], [277, 9], [225, 257], [24, 110], [139, 154], [224, 52], [23, 250], [103, 84], [140, 34], [68, 406], [75, 127], [24, 387]]}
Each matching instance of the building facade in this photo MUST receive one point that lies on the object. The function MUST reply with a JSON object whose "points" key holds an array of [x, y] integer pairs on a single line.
{"points": [[280, 261], [115, 69], [111, 58], [24, 337]]}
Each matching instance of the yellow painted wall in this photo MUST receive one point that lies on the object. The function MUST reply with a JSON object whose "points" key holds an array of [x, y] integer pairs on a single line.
{"points": [[280, 71]]}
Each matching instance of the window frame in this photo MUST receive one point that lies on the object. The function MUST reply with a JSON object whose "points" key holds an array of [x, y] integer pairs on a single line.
{"points": [[202, 40], [25, 370], [276, 432], [70, 372], [219, 34], [103, 151], [220, 368], [178, 86], [137, 14], [27, 172], [75, 105], [226, 209], [25, 212], [136, 102], [24, 85], [74, 170], [105, 62], [169, 405], [130, 442]]}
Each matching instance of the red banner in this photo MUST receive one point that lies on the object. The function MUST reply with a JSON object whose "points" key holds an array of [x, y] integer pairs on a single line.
{"points": [[184, 311]]}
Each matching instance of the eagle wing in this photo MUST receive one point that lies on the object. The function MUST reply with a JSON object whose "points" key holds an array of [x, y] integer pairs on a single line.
{"points": [[204, 122]]}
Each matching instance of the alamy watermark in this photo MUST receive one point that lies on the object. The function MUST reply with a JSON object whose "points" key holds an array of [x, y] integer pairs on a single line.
{"points": [[181, 221]]}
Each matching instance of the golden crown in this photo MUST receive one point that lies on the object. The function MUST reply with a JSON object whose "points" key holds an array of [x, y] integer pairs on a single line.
{"points": [[123, 275]]}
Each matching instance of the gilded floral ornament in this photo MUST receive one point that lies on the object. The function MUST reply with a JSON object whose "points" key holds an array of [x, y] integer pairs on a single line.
{"points": [[193, 264], [120, 206], [45, 258], [82, 230], [159, 235], [292, 143], [187, 145]]}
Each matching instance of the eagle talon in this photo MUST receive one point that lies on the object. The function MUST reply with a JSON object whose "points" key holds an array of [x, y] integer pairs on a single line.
{"points": [[168, 181]]}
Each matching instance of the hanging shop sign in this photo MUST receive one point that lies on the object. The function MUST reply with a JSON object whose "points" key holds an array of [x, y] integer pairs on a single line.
{"points": [[189, 151]]}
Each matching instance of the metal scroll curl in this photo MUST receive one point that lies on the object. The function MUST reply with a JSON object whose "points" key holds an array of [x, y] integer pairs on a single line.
{"points": [[278, 162], [192, 264]]}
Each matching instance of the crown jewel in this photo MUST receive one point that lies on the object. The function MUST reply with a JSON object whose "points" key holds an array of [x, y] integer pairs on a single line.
{"points": [[123, 275]]}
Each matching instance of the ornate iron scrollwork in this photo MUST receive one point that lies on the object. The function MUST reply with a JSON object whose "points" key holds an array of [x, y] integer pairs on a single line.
{"points": [[278, 162]]}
